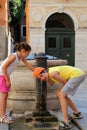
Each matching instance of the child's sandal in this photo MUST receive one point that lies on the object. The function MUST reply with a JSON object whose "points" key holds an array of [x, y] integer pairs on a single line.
{"points": [[77, 115], [64, 126], [6, 119]]}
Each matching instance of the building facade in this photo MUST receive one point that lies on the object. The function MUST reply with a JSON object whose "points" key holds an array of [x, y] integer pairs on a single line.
{"points": [[59, 28]]}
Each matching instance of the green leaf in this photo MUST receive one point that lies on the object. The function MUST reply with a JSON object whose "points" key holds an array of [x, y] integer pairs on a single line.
{"points": [[16, 11]]}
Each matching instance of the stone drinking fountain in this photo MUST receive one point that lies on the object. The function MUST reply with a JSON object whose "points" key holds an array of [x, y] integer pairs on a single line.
{"points": [[34, 96]]}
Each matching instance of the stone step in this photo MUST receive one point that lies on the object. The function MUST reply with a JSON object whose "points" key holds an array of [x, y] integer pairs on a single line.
{"points": [[20, 124]]}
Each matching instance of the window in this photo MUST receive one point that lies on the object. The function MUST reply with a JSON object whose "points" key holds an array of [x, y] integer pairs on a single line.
{"points": [[23, 31], [52, 42], [67, 42]]}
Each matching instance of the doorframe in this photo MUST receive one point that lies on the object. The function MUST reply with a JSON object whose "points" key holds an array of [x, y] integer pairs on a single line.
{"points": [[68, 12]]}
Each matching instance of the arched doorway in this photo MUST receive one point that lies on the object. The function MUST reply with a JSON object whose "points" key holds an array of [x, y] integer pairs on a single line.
{"points": [[60, 37]]}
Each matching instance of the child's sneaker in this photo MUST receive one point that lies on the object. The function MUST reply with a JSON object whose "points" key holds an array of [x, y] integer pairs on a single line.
{"points": [[64, 126], [77, 116]]}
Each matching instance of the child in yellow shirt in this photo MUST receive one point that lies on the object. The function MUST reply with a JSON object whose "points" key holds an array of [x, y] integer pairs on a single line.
{"points": [[71, 78]]}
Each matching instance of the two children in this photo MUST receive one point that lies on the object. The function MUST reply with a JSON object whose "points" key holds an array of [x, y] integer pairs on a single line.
{"points": [[6, 68], [71, 78]]}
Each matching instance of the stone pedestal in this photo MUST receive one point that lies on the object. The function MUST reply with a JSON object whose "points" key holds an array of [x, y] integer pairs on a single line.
{"points": [[23, 92], [23, 89]]}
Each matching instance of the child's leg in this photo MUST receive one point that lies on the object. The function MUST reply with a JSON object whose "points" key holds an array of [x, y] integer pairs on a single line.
{"points": [[3, 102], [72, 105], [64, 105], [65, 102], [76, 114]]}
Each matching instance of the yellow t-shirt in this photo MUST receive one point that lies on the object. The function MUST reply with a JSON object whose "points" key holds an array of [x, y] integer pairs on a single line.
{"points": [[66, 72]]}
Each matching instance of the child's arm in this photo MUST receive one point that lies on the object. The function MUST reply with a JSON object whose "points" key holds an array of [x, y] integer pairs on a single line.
{"points": [[4, 69], [28, 65], [57, 76], [50, 82]]}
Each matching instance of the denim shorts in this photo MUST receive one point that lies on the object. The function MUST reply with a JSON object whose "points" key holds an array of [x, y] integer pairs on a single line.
{"points": [[72, 84]]}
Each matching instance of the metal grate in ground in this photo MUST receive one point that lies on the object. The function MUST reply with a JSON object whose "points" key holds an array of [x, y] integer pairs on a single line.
{"points": [[42, 125]]}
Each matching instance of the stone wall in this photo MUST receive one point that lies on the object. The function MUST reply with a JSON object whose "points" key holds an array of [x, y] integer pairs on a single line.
{"points": [[81, 49]]}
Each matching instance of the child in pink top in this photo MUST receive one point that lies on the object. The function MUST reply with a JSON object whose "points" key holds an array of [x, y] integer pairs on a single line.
{"points": [[6, 68]]}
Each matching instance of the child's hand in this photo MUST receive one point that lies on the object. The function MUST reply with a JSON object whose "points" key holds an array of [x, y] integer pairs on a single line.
{"points": [[8, 83]]}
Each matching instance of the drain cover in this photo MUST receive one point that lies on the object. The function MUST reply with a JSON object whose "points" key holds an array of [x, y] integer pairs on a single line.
{"points": [[42, 125]]}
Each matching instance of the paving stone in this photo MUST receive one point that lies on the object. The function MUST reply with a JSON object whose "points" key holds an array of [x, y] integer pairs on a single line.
{"points": [[81, 123], [4, 126]]}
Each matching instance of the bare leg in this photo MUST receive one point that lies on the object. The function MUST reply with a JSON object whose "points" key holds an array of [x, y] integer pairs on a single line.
{"points": [[3, 102], [64, 105], [72, 105], [65, 102]]}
